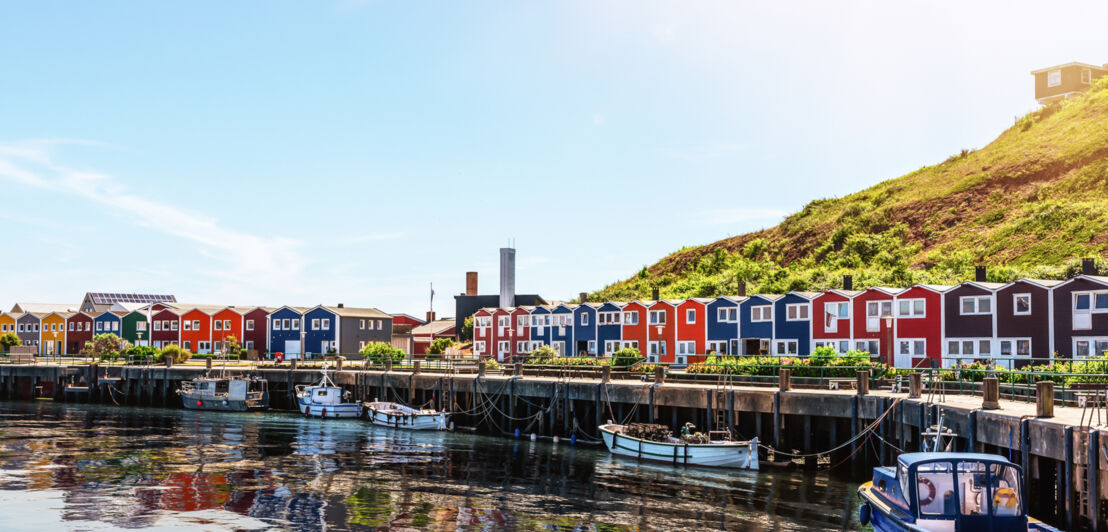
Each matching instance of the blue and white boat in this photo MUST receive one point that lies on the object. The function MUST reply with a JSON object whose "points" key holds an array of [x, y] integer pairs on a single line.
{"points": [[325, 400], [944, 491]]}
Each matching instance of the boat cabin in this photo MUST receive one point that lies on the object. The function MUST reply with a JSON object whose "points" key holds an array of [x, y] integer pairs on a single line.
{"points": [[955, 491]]}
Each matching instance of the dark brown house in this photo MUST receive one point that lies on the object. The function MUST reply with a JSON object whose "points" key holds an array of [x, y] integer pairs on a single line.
{"points": [[1081, 316], [1023, 325], [1062, 81], [970, 320]]}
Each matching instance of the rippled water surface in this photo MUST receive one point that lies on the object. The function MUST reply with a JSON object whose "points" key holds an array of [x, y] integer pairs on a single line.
{"points": [[98, 468]]}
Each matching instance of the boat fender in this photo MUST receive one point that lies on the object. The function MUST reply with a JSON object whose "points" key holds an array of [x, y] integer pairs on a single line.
{"points": [[930, 497], [307, 411], [573, 439], [863, 514], [534, 437], [324, 413], [517, 432], [555, 439]]}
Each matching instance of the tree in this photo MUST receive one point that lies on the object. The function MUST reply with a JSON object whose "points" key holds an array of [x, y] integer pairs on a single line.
{"points": [[378, 352], [9, 340], [179, 354], [105, 345], [231, 346], [439, 346], [467, 329]]}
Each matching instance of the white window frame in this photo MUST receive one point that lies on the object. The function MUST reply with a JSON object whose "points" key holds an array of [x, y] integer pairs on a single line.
{"points": [[630, 317], [1054, 78], [1014, 347], [521, 346], [326, 323], [1086, 76], [187, 325], [584, 319], [786, 348], [686, 347], [1091, 345], [656, 348], [690, 316], [315, 324], [361, 324], [591, 346], [286, 324], [797, 312], [912, 310], [657, 317], [479, 347], [217, 325], [249, 325], [719, 346], [173, 325], [1016, 306], [276, 325], [976, 300], [503, 347], [912, 342], [761, 313]]}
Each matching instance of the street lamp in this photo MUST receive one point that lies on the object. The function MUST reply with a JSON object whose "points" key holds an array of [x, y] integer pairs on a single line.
{"points": [[302, 352], [660, 344], [890, 353], [54, 345]]}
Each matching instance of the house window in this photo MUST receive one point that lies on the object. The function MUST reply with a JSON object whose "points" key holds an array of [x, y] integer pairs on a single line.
{"points": [[786, 347], [912, 308], [326, 324], [173, 325], [315, 324], [100, 326], [479, 347], [630, 318], [1021, 304], [36, 327], [287, 324], [277, 325], [975, 305], [584, 319], [1086, 76], [1095, 347], [196, 325], [217, 325], [761, 313], [483, 321], [592, 347], [20, 327], [361, 324], [913, 347], [502, 348], [157, 326], [727, 315], [503, 321], [657, 317], [1054, 78], [1022, 347], [115, 325], [188, 345], [248, 345], [796, 312], [187, 325], [71, 326], [521, 347], [832, 313], [380, 325], [686, 348], [718, 347], [690, 316], [656, 348], [250, 325]]}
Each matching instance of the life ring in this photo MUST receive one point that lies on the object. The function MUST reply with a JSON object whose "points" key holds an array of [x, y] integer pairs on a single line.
{"points": [[924, 501], [1005, 498]]}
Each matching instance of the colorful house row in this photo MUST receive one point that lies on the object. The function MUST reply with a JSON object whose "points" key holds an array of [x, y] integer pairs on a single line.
{"points": [[204, 329], [918, 325]]}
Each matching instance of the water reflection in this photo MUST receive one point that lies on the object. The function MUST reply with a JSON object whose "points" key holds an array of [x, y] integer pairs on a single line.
{"points": [[76, 466]]}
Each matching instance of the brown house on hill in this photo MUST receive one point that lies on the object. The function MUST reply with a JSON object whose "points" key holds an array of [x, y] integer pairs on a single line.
{"points": [[1062, 81]]}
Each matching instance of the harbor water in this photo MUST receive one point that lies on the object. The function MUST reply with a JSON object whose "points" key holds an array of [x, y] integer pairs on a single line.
{"points": [[93, 467]]}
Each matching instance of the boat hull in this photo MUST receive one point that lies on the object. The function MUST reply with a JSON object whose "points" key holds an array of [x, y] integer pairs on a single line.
{"points": [[734, 455], [340, 410], [191, 402], [436, 421]]}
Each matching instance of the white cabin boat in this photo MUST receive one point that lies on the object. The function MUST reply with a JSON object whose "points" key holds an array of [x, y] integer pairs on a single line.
{"points": [[724, 453], [398, 416], [231, 394], [325, 400]]}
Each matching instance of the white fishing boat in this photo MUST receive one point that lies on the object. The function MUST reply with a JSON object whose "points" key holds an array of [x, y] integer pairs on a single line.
{"points": [[325, 400], [398, 416], [233, 394], [720, 453]]}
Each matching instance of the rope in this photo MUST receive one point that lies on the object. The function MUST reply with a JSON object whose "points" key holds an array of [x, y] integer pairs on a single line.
{"points": [[864, 433]]}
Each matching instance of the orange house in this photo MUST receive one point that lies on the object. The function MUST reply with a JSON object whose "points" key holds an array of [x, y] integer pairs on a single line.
{"points": [[662, 330], [7, 323], [196, 331], [225, 323], [692, 328], [52, 338], [634, 326]]}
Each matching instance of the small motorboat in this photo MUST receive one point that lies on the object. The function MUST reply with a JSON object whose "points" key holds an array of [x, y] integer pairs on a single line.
{"points": [[325, 400], [231, 394], [945, 491], [626, 440], [400, 416]]}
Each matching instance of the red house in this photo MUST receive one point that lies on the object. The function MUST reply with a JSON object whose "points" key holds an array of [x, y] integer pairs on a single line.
{"points": [[424, 335], [254, 333], [484, 341], [634, 327], [871, 327], [196, 331], [918, 325], [503, 334], [226, 322], [521, 320], [692, 329], [78, 331], [406, 320], [662, 331], [167, 326], [833, 320]]}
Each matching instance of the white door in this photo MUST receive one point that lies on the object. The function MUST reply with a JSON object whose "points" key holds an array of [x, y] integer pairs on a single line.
{"points": [[325, 347], [292, 349]]}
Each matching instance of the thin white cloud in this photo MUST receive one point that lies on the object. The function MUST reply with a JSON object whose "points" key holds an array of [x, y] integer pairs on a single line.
{"points": [[237, 256], [739, 214]]}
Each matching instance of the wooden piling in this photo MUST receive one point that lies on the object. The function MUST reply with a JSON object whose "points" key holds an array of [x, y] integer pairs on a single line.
{"points": [[1044, 399], [784, 379], [990, 394], [915, 385]]}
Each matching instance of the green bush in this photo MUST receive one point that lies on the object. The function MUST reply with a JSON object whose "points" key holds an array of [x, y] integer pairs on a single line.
{"points": [[439, 346], [178, 354], [541, 354], [628, 356], [492, 364], [9, 340], [378, 352], [818, 366]]}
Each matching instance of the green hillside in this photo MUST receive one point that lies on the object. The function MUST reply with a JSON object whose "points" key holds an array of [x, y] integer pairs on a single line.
{"points": [[1030, 204]]}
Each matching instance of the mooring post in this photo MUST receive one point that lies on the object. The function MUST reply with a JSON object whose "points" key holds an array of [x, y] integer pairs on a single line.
{"points": [[863, 382], [708, 408], [596, 407], [566, 409], [990, 394], [777, 419], [605, 373], [853, 430], [651, 409], [1093, 464], [1044, 399], [208, 364], [784, 379], [338, 363], [731, 411], [292, 365], [659, 374], [388, 363], [1070, 508], [481, 368], [416, 367], [519, 369], [1025, 455], [884, 429], [915, 385], [553, 408], [972, 437]]}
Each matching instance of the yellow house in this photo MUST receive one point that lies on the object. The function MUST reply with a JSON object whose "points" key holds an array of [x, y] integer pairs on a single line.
{"points": [[7, 323], [52, 341]]}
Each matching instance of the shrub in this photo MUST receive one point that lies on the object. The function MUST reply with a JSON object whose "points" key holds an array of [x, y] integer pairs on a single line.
{"points": [[628, 356], [105, 344], [439, 346], [492, 364], [178, 354], [9, 340], [541, 355], [378, 352]]}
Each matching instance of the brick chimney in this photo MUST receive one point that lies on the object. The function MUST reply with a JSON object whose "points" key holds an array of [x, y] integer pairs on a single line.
{"points": [[340, 305], [583, 297], [741, 292], [654, 293], [471, 283], [1088, 267], [979, 274], [848, 282], [430, 316]]}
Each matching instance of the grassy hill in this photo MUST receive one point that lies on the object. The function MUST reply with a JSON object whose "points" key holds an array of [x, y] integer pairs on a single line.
{"points": [[1032, 203]]}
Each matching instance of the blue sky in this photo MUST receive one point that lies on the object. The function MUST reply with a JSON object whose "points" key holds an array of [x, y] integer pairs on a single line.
{"points": [[322, 152]]}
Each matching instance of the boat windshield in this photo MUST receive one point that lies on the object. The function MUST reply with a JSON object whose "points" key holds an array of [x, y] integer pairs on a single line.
{"points": [[935, 489], [981, 488], [1005, 486]]}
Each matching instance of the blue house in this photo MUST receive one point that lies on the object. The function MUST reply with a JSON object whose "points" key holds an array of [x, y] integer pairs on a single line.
{"points": [[756, 324], [540, 326], [792, 333], [723, 325], [320, 327], [584, 329], [561, 330], [284, 331], [108, 322], [609, 331]]}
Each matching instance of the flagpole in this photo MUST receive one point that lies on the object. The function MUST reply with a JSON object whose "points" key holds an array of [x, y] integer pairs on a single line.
{"points": [[431, 316]]}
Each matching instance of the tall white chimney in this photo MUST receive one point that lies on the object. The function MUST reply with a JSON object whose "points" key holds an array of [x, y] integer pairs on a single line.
{"points": [[507, 277]]}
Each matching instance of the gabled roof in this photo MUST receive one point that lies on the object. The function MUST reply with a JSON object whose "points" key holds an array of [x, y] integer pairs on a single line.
{"points": [[992, 287], [1041, 283], [298, 310], [1070, 64], [806, 295], [62, 315], [437, 327], [734, 299], [45, 307], [940, 288], [886, 290], [359, 312], [849, 294], [409, 316], [768, 297]]}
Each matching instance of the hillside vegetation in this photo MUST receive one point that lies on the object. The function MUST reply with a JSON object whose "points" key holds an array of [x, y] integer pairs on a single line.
{"points": [[1030, 204]]}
